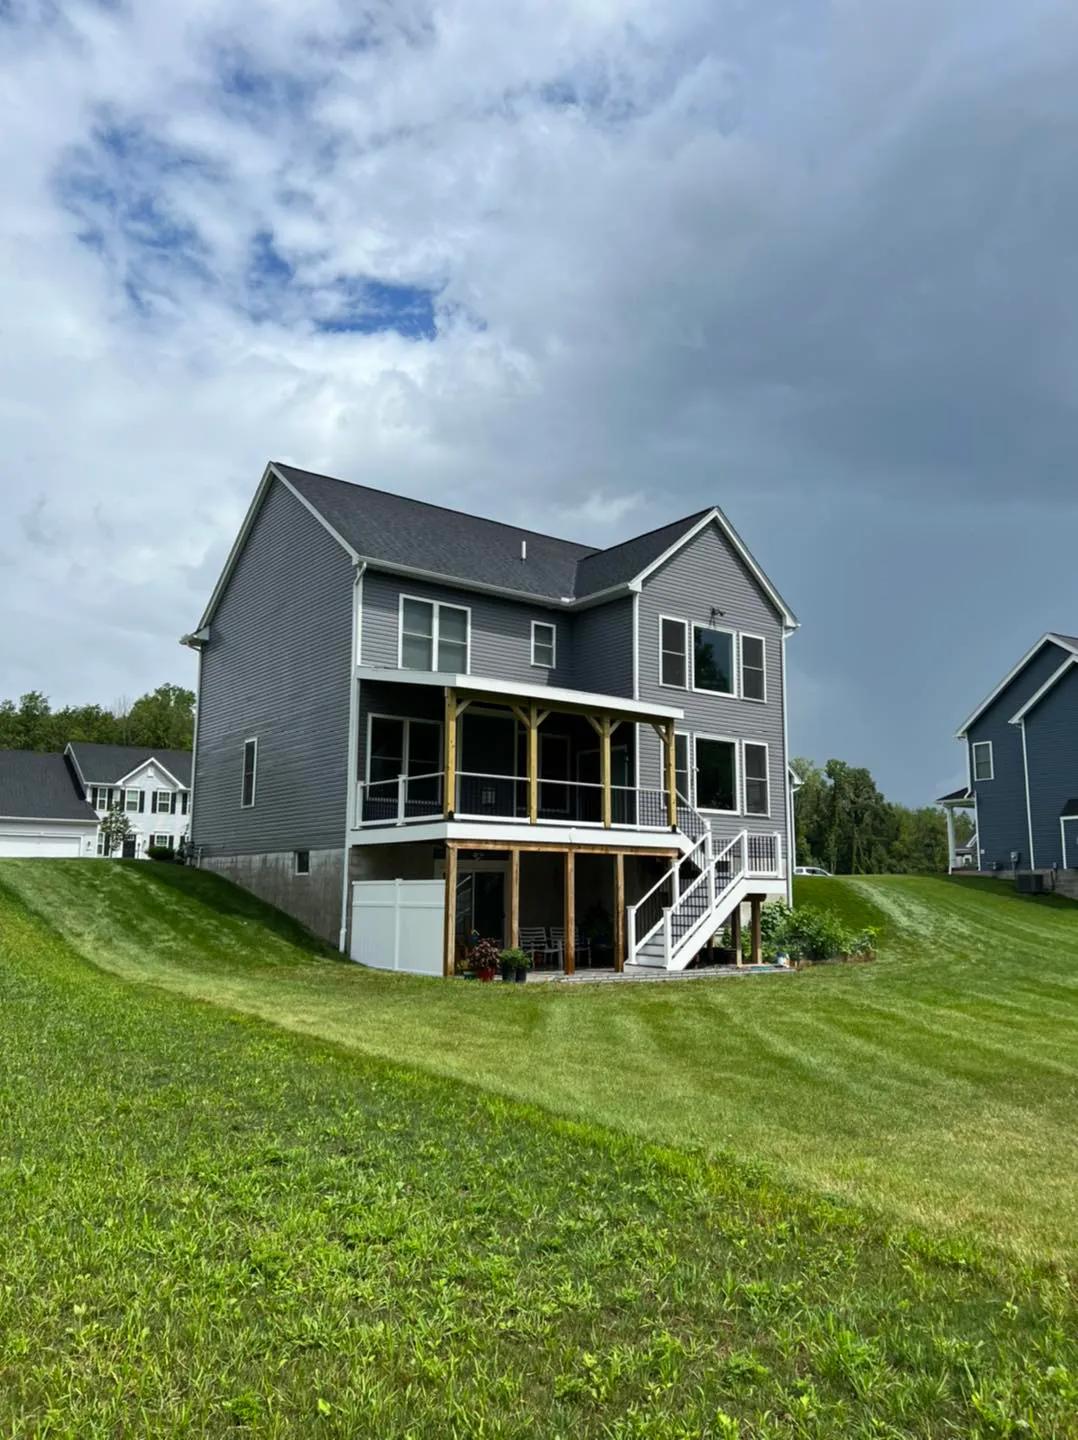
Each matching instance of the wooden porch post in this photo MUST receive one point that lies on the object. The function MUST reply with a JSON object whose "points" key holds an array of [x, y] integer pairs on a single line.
{"points": [[570, 913], [533, 764], [605, 732], [450, 777], [756, 901], [514, 897], [619, 912], [671, 776], [735, 934], [449, 961]]}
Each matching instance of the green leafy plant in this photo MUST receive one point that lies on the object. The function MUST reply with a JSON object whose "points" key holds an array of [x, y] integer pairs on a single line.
{"points": [[483, 957], [115, 828], [515, 958]]}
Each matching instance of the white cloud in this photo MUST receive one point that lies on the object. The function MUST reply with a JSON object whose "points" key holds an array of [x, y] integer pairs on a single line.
{"points": [[683, 252]]}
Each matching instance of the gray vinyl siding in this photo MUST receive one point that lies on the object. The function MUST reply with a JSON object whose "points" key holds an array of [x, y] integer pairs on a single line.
{"points": [[603, 648], [277, 667], [500, 630], [1001, 801], [708, 572], [1052, 745]]}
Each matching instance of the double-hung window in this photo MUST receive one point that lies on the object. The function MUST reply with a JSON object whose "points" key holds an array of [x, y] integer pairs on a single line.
{"points": [[716, 774], [132, 800], [757, 796], [250, 771], [101, 797], [673, 657], [982, 760], [753, 668], [162, 802], [544, 644], [433, 636], [681, 767], [713, 660]]}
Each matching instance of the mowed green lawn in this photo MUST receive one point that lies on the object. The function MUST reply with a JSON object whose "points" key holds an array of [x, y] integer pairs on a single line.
{"points": [[937, 1086], [212, 1226]]}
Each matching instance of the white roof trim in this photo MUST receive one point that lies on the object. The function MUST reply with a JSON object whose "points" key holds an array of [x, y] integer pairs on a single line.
{"points": [[1019, 715], [960, 733], [87, 824], [522, 690], [150, 760], [270, 474], [716, 517]]}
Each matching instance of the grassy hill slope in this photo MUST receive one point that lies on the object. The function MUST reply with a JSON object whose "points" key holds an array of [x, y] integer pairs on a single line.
{"points": [[210, 1226], [937, 1086]]}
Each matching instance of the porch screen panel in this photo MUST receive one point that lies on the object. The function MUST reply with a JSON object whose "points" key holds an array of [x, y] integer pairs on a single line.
{"points": [[424, 763]]}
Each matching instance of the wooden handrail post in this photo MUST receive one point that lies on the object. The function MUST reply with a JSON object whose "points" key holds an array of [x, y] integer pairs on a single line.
{"points": [[450, 798], [671, 776], [514, 897], [619, 912]]}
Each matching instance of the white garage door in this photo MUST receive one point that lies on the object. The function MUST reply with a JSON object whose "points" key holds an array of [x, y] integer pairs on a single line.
{"points": [[14, 846]]}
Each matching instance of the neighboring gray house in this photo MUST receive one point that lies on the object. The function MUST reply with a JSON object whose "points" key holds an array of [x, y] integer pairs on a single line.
{"points": [[443, 725], [1022, 761], [43, 814]]}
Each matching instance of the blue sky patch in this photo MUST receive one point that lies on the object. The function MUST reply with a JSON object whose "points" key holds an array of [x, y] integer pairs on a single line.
{"points": [[371, 307]]}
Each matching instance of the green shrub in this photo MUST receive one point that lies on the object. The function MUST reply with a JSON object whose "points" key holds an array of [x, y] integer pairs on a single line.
{"points": [[161, 852], [515, 958], [808, 933]]}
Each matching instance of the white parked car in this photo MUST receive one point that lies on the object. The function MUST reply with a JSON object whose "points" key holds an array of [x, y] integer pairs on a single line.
{"points": [[811, 870]]}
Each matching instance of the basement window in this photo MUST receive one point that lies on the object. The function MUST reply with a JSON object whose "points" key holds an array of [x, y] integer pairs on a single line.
{"points": [[303, 862]]}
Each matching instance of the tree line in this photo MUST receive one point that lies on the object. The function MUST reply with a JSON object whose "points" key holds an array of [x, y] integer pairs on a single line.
{"points": [[845, 825], [163, 718]]}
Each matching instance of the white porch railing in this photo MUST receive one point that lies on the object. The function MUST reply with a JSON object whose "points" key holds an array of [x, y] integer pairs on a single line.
{"points": [[689, 901], [415, 799]]}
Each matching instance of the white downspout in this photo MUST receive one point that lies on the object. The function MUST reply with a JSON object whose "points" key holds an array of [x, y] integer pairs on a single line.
{"points": [[791, 857], [354, 659], [1029, 808]]}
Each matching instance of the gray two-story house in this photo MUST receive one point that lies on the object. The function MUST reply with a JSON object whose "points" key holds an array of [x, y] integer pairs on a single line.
{"points": [[1022, 758], [416, 726]]}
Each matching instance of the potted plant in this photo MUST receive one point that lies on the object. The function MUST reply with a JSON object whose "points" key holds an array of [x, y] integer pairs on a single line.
{"points": [[515, 964], [483, 959]]}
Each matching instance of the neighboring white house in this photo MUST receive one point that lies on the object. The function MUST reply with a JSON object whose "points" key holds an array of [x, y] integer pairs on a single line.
{"points": [[152, 787], [42, 810]]}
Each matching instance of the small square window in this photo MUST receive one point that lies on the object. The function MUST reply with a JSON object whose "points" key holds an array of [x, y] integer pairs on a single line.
{"points": [[544, 644], [303, 862]]}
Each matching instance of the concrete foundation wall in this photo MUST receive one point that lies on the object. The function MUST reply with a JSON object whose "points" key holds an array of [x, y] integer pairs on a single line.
{"points": [[314, 900]]}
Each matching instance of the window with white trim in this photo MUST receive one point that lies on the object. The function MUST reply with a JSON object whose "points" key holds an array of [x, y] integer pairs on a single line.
{"points": [[303, 862], [132, 800], [673, 657], [753, 667], [162, 802], [163, 841], [757, 796], [101, 797], [681, 767], [412, 748], [716, 774], [713, 660], [433, 636], [982, 760], [250, 773], [544, 644]]}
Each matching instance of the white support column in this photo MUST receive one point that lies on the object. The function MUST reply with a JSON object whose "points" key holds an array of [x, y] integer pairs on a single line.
{"points": [[950, 840]]}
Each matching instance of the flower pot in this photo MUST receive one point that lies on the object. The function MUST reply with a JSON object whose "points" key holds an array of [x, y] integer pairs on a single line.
{"points": [[521, 974], [507, 971]]}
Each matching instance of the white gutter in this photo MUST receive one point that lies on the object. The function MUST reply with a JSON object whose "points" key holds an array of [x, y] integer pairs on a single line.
{"points": [[790, 825]]}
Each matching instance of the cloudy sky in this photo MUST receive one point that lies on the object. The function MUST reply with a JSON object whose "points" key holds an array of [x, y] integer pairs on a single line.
{"points": [[581, 264]]}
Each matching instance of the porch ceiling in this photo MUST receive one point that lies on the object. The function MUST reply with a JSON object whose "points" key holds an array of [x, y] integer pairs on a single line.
{"points": [[553, 697]]}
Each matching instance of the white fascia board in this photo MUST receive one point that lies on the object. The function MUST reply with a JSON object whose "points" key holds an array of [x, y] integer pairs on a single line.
{"points": [[151, 760], [716, 517], [963, 730], [270, 474], [1056, 675], [551, 695], [509, 833]]}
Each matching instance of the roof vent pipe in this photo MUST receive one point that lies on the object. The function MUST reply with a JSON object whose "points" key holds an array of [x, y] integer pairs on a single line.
{"points": [[523, 550]]}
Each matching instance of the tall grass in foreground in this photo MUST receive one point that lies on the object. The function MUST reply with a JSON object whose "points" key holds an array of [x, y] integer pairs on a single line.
{"points": [[209, 1227]]}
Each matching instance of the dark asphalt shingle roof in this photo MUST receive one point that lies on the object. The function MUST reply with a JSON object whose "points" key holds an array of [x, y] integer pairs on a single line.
{"points": [[35, 786], [105, 764], [1067, 639], [1071, 808], [399, 531], [964, 794]]}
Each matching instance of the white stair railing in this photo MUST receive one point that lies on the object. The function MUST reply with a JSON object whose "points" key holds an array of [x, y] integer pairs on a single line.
{"points": [[672, 916]]}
